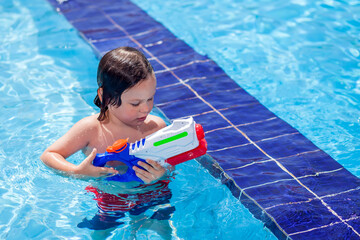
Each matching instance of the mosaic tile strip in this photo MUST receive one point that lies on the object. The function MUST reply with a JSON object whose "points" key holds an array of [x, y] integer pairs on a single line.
{"points": [[296, 189]]}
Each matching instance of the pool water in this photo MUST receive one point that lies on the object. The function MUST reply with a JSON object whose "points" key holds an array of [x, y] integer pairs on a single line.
{"points": [[299, 58], [47, 80]]}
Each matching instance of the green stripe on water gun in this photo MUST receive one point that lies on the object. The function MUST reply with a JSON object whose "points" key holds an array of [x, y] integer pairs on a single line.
{"points": [[170, 139]]}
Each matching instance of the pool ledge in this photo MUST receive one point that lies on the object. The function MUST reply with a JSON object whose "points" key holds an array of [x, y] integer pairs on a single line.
{"points": [[295, 188]]}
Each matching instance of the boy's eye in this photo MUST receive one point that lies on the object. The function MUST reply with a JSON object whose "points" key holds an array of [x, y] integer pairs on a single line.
{"points": [[150, 99], [135, 104]]}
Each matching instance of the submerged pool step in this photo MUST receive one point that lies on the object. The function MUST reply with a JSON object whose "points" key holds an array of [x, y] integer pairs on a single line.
{"points": [[295, 188]]}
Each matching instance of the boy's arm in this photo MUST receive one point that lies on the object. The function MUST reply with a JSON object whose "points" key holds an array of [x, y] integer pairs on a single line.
{"points": [[74, 140]]}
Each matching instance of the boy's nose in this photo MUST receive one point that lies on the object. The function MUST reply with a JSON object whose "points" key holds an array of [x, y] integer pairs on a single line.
{"points": [[146, 107]]}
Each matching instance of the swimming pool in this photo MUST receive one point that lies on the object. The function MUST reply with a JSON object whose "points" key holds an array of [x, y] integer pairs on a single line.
{"points": [[47, 82], [289, 183], [299, 58]]}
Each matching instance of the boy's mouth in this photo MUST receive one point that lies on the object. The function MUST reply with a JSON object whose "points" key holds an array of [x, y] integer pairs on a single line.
{"points": [[141, 119]]}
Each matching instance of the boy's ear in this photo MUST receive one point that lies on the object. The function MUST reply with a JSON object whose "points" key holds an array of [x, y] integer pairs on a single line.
{"points": [[100, 93]]}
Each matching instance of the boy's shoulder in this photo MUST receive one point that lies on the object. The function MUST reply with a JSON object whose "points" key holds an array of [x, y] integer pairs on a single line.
{"points": [[157, 120], [90, 120], [155, 123], [88, 123], [84, 130]]}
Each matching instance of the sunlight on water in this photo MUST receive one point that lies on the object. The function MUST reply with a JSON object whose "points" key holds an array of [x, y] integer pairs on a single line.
{"points": [[39, 102]]}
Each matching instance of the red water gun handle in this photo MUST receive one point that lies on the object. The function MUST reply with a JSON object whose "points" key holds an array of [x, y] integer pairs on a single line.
{"points": [[194, 153]]}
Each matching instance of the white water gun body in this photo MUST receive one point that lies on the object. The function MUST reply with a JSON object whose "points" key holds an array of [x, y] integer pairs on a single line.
{"points": [[158, 146]]}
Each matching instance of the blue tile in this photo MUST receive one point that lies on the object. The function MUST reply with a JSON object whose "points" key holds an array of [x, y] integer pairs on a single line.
{"points": [[356, 225], [347, 205], [82, 13], [180, 58], [224, 138], [165, 78], [168, 47], [309, 163], [300, 217], [279, 193], [96, 3], [338, 231], [333, 182], [247, 114], [103, 34], [134, 22], [229, 98], [267, 129], [105, 46], [211, 121], [154, 36], [98, 23], [203, 69], [121, 7], [214, 83], [188, 108], [173, 93], [260, 214], [238, 157], [127, 13], [257, 174], [156, 65], [287, 146]]}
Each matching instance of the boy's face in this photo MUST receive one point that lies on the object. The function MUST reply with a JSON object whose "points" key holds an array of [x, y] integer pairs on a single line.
{"points": [[136, 103]]}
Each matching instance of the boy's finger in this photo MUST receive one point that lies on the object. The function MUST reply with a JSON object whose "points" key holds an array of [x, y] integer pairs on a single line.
{"points": [[144, 165], [144, 177], [105, 171], [91, 156], [154, 164], [141, 171]]}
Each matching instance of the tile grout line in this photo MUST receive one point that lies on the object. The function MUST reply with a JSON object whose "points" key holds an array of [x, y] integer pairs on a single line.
{"points": [[311, 199], [178, 83], [325, 226], [264, 161], [167, 69], [207, 112], [290, 179], [242, 124], [261, 140], [226, 148]]}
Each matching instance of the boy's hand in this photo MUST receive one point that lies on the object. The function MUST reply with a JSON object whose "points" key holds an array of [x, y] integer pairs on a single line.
{"points": [[153, 172], [88, 169]]}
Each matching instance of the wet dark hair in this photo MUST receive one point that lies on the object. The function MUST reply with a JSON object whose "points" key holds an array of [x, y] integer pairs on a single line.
{"points": [[119, 70]]}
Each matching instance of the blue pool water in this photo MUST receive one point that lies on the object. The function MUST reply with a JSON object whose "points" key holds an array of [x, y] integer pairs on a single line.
{"points": [[47, 81], [299, 58]]}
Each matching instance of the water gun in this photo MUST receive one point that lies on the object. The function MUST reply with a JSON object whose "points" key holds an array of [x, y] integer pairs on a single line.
{"points": [[181, 141]]}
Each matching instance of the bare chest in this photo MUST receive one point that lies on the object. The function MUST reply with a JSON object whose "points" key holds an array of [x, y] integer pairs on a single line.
{"points": [[105, 138]]}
